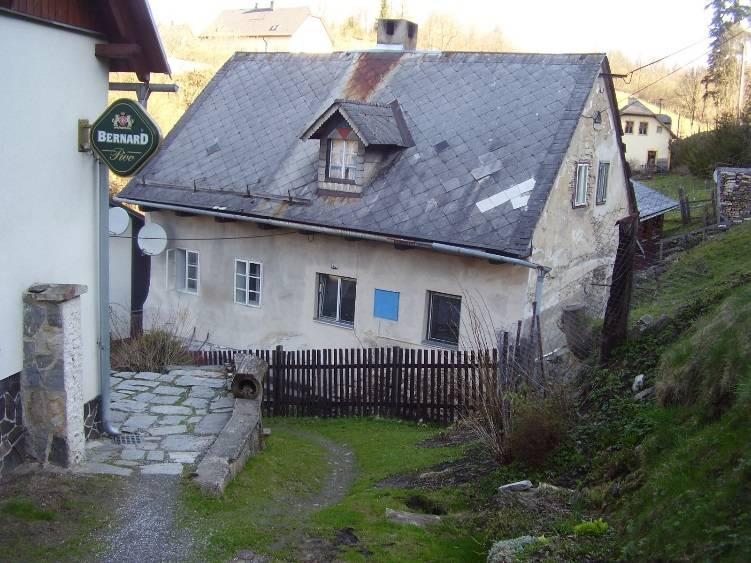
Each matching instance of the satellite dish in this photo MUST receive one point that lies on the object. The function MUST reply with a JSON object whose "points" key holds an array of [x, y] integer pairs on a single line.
{"points": [[119, 221], [152, 240]]}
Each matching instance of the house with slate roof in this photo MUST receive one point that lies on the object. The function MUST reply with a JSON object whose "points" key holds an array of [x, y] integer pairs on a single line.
{"points": [[652, 207], [360, 198], [647, 136], [268, 29]]}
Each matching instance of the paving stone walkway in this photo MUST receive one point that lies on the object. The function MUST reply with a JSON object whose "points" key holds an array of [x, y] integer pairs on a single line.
{"points": [[178, 415]]}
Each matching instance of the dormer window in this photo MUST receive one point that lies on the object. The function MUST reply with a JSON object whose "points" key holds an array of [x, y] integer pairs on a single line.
{"points": [[342, 160]]}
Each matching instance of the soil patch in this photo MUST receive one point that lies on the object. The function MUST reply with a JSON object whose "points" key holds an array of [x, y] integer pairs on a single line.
{"points": [[449, 474], [450, 437], [46, 516], [422, 504]]}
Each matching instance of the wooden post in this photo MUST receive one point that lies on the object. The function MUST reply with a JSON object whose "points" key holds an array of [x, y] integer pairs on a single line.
{"points": [[685, 213]]}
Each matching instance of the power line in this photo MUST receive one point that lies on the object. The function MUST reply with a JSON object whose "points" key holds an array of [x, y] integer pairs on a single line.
{"points": [[687, 64], [665, 57]]}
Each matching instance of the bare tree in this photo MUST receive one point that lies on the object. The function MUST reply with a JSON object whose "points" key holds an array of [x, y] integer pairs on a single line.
{"points": [[689, 92], [438, 32]]}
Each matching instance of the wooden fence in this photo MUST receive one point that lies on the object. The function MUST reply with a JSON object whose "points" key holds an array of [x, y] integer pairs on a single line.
{"points": [[415, 384]]}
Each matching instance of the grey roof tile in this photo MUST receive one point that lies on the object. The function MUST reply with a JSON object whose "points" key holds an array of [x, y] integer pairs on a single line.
{"points": [[511, 115]]}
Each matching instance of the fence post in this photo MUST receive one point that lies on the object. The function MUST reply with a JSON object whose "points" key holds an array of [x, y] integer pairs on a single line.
{"points": [[280, 407], [684, 205]]}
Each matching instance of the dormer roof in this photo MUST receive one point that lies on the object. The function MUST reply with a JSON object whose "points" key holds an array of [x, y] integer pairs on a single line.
{"points": [[373, 123]]}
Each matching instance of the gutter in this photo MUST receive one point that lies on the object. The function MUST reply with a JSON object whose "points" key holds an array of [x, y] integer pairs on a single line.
{"points": [[435, 246], [104, 296]]}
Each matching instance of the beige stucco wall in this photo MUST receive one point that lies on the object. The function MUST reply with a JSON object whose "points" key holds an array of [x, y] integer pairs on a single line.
{"points": [[638, 145], [580, 244], [48, 225], [312, 37], [290, 264]]}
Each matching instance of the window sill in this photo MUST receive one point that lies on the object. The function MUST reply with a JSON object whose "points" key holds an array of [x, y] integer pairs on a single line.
{"points": [[251, 305], [439, 345], [340, 181], [331, 322], [578, 205], [187, 292], [603, 202]]}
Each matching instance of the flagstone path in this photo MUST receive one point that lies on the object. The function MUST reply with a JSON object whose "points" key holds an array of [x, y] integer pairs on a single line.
{"points": [[177, 415]]}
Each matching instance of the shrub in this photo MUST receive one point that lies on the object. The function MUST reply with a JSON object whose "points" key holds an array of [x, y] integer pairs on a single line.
{"points": [[166, 343], [728, 144], [538, 426], [591, 528]]}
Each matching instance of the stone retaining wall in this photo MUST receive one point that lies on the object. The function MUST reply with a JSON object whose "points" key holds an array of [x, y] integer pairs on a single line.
{"points": [[735, 193]]}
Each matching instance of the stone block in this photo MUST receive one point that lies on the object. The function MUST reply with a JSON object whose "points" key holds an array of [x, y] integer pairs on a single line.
{"points": [[167, 430], [168, 390], [212, 423], [162, 469], [171, 409]]}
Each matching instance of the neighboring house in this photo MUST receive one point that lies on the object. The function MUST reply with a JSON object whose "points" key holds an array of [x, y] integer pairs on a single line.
{"points": [[647, 136], [56, 62], [652, 209], [375, 198], [269, 29], [733, 193], [129, 276]]}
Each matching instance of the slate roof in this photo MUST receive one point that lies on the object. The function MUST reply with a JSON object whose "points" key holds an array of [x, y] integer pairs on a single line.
{"points": [[374, 124], [651, 203], [482, 124], [257, 23]]}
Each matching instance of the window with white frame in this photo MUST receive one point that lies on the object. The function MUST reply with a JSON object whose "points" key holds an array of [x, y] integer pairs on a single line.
{"points": [[659, 130], [603, 172], [248, 279], [182, 270], [336, 299], [643, 126], [342, 160], [582, 180], [444, 316], [628, 128]]}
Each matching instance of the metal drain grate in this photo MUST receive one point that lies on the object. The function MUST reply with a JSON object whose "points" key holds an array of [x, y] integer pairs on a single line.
{"points": [[127, 438]]}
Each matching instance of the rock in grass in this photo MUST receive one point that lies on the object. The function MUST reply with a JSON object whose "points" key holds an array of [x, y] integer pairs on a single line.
{"points": [[420, 520], [505, 550], [638, 383], [518, 486]]}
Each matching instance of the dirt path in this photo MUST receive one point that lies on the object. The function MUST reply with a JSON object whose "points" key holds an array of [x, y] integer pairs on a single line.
{"points": [[336, 486], [145, 530]]}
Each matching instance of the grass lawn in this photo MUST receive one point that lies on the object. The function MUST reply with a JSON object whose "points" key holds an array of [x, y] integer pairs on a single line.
{"points": [[52, 517], [258, 511], [694, 188], [703, 274]]}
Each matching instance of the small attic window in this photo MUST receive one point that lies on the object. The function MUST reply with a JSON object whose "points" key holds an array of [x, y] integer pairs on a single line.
{"points": [[341, 160], [274, 27]]}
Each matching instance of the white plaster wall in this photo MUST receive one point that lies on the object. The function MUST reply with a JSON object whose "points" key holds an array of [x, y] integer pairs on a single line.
{"points": [[48, 222], [580, 244], [312, 37], [121, 258], [638, 145], [290, 264]]}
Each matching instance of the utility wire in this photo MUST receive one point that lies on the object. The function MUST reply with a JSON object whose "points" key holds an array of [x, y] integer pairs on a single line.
{"points": [[687, 64], [665, 57]]}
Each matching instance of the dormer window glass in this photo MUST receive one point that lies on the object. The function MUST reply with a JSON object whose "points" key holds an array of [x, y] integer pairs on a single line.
{"points": [[342, 160]]}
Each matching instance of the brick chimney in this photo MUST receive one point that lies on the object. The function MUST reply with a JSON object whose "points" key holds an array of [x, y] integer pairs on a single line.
{"points": [[397, 34]]}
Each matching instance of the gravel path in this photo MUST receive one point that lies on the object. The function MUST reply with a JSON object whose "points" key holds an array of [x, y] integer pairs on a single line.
{"points": [[144, 530]]}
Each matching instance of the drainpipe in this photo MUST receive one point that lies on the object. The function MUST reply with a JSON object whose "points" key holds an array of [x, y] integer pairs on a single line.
{"points": [[103, 190], [436, 246]]}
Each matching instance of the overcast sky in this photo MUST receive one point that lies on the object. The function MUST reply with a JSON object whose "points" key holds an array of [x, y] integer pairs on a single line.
{"points": [[644, 29]]}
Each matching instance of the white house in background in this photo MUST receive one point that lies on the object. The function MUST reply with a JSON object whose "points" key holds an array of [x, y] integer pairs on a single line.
{"points": [[56, 66], [647, 137], [269, 29], [373, 198]]}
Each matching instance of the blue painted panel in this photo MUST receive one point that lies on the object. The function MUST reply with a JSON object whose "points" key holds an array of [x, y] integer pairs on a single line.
{"points": [[386, 304]]}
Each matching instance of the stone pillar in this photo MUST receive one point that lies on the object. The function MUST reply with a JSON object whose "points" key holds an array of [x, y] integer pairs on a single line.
{"points": [[51, 381]]}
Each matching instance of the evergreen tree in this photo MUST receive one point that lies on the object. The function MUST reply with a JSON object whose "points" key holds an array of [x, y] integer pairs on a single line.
{"points": [[727, 34]]}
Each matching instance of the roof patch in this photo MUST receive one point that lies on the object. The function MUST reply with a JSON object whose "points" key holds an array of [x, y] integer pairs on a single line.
{"points": [[486, 170], [518, 195]]}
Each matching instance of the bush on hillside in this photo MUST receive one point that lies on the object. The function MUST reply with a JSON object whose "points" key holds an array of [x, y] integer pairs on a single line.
{"points": [[728, 145]]}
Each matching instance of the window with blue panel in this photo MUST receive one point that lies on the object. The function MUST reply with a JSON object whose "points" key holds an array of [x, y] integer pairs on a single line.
{"points": [[386, 305]]}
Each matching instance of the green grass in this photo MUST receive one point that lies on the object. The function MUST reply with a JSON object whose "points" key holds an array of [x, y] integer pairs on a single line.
{"points": [[704, 274], [51, 517], [255, 512], [25, 509], [695, 189]]}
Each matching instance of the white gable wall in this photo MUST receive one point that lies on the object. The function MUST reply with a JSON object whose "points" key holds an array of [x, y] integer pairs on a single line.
{"points": [[311, 37], [580, 243], [48, 230]]}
